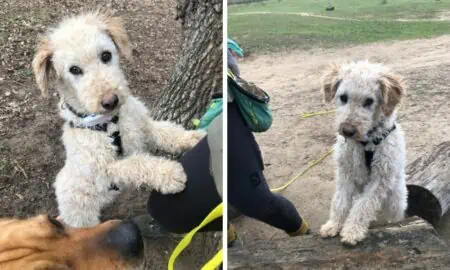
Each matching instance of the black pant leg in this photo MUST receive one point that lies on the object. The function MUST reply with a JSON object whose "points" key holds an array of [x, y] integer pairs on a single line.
{"points": [[248, 191], [181, 212]]}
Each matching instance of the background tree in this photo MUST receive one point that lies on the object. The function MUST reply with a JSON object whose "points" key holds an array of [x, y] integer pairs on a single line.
{"points": [[198, 72]]}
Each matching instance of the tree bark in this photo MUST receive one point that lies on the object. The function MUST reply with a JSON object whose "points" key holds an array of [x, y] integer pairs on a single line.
{"points": [[198, 72], [429, 184], [412, 244]]}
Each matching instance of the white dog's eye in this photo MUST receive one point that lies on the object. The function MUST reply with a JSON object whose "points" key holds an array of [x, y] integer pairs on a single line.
{"points": [[343, 98], [75, 70], [106, 57], [368, 102]]}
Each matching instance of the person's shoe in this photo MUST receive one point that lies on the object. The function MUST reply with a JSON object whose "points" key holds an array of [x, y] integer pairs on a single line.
{"points": [[151, 229], [303, 230], [232, 235]]}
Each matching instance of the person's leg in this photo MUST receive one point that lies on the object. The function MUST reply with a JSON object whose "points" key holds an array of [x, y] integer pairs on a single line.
{"points": [[254, 199], [248, 191], [180, 213]]}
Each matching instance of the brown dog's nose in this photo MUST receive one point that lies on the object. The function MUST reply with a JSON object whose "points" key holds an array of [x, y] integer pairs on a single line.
{"points": [[126, 239], [110, 102], [348, 130]]}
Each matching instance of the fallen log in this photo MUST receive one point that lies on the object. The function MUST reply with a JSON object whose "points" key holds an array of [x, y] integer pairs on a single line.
{"points": [[429, 184], [411, 244]]}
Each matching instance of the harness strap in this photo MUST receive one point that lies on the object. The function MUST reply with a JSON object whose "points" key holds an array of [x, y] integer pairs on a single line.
{"points": [[369, 157], [113, 186], [117, 142], [368, 154], [102, 127]]}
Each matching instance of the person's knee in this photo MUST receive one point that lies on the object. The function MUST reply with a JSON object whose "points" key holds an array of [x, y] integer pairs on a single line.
{"points": [[259, 207]]}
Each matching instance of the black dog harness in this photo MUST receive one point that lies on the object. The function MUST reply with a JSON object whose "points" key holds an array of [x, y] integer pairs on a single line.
{"points": [[103, 127], [368, 153]]}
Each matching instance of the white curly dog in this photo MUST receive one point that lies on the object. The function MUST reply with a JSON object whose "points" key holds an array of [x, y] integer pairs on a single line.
{"points": [[370, 149], [107, 132]]}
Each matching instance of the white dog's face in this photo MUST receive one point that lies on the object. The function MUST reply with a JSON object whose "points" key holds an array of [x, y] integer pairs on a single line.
{"points": [[84, 53], [364, 93]]}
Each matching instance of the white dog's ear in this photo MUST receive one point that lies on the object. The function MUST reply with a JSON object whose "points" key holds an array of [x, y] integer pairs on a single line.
{"points": [[116, 30], [393, 89], [330, 82], [42, 65]]}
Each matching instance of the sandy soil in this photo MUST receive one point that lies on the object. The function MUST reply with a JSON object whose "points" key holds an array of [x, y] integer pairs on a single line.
{"points": [[293, 81], [31, 152]]}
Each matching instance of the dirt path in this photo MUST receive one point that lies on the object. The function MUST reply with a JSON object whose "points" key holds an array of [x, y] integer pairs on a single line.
{"points": [[302, 14], [293, 81], [441, 17]]}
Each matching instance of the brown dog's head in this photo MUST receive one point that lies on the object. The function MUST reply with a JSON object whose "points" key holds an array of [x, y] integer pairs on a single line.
{"points": [[44, 243]]}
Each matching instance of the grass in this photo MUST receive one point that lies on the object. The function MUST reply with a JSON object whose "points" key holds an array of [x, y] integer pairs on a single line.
{"points": [[375, 22], [350, 8]]}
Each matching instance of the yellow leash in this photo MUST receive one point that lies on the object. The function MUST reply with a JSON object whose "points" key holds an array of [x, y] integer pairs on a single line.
{"points": [[217, 259], [311, 165], [308, 115], [214, 262], [314, 162]]}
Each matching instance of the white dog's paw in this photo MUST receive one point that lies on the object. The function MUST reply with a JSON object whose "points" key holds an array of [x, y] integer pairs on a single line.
{"points": [[329, 229], [191, 139], [174, 179], [352, 235]]}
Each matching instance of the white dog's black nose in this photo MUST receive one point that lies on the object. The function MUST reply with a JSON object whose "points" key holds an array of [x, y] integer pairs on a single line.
{"points": [[348, 131], [110, 102]]}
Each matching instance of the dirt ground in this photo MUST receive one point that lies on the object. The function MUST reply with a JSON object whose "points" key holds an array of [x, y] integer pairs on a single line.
{"points": [[292, 80], [31, 152]]}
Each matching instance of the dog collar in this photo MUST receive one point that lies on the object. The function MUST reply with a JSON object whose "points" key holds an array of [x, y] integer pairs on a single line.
{"points": [[90, 121], [97, 123], [369, 145]]}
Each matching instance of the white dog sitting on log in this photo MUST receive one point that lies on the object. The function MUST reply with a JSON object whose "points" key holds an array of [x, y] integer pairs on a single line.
{"points": [[107, 132], [370, 149]]}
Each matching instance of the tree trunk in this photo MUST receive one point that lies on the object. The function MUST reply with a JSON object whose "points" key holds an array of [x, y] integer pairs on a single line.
{"points": [[198, 72], [429, 184], [412, 244]]}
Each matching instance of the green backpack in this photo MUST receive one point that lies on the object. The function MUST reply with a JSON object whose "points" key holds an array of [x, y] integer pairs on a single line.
{"points": [[214, 110], [253, 103]]}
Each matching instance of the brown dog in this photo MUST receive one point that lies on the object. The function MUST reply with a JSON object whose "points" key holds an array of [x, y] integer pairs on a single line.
{"points": [[45, 243]]}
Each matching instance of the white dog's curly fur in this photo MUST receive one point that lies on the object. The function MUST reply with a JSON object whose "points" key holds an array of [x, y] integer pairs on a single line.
{"points": [[93, 43], [366, 96]]}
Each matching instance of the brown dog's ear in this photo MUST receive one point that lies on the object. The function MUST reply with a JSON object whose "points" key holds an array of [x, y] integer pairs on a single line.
{"points": [[42, 65], [392, 90], [330, 82], [116, 30]]}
